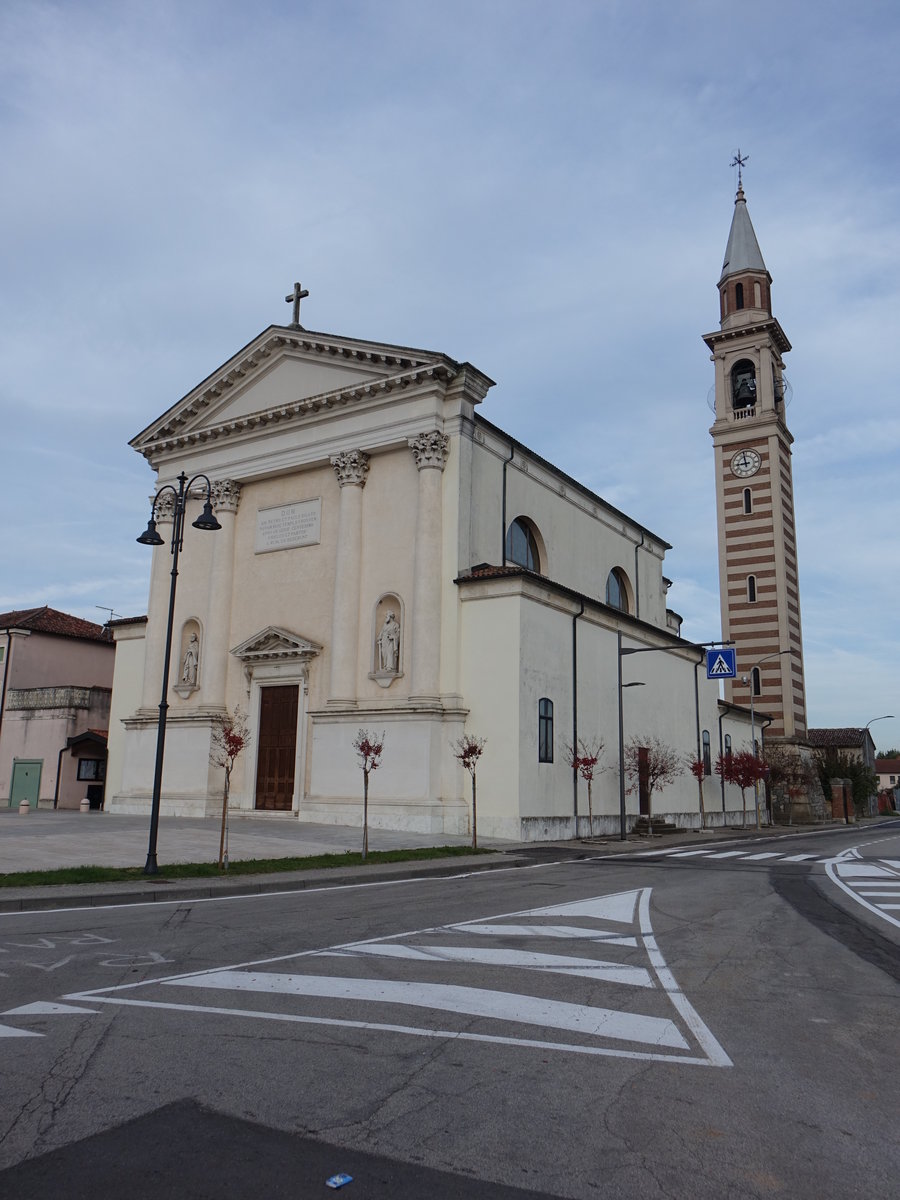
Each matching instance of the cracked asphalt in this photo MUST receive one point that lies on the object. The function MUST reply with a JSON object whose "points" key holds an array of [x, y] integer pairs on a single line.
{"points": [[775, 1073]]}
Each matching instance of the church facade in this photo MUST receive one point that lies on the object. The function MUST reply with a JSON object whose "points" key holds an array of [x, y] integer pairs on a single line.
{"points": [[388, 559]]}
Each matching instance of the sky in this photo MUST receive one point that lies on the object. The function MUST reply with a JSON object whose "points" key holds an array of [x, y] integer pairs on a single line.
{"points": [[543, 190]]}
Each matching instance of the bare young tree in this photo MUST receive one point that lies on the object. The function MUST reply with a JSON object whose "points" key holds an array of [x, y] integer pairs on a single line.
{"points": [[369, 749], [584, 759], [745, 770], [230, 737], [652, 763], [468, 749]]}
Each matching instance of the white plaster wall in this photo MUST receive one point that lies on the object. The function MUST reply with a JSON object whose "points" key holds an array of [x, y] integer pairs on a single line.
{"points": [[583, 538], [126, 698], [490, 642]]}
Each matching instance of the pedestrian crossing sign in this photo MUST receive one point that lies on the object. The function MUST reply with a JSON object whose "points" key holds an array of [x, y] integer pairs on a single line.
{"points": [[721, 663]]}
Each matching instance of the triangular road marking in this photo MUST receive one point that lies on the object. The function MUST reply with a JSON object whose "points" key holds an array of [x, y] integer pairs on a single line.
{"points": [[619, 908], [8, 1031], [43, 1008]]}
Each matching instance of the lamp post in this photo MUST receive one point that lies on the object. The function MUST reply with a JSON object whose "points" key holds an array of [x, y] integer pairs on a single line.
{"points": [[151, 537], [620, 653]]}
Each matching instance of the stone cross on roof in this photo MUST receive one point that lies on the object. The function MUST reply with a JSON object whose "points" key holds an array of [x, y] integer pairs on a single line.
{"points": [[299, 293]]}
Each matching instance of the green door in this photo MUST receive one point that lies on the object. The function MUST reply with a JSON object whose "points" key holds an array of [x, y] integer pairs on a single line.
{"points": [[26, 781]]}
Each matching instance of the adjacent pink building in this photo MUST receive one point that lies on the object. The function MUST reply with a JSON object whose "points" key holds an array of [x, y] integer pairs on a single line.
{"points": [[56, 675]]}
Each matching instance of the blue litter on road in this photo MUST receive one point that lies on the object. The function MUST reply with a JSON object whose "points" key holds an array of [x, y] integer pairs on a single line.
{"points": [[337, 1181]]}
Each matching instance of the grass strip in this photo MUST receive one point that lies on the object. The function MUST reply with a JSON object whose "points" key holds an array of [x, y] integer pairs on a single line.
{"points": [[254, 866]]}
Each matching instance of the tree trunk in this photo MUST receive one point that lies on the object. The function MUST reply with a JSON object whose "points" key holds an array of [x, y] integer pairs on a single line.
{"points": [[365, 814], [474, 816], [590, 811], [702, 809], [224, 817]]}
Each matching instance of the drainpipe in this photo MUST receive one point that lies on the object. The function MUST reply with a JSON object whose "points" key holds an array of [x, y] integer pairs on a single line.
{"points": [[512, 452], [575, 712], [637, 587], [58, 769]]}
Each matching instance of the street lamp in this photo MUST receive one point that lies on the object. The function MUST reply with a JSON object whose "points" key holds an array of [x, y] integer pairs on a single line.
{"points": [[151, 537], [620, 653]]}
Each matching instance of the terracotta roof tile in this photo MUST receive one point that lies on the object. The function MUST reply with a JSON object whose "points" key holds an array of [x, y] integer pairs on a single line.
{"points": [[51, 620], [825, 738]]}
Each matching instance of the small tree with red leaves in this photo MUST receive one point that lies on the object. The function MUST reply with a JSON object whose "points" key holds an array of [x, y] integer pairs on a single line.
{"points": [[468, 749], [655, 764], [743, 769], [584, 759], [369, 749], [230, 736], [698, 770]]}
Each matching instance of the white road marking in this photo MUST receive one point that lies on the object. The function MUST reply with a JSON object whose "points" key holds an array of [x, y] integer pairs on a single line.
{"points": [[759, 857], [729, 854], [552, 931], [45, 1008], [686, 853], [857, 873], [9, 1031], [557, 964], [473, 1002], [799, 857], [664, 1038]]}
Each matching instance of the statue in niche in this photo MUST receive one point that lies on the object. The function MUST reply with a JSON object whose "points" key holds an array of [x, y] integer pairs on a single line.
{"points": [[389, 643], [191, 662]]}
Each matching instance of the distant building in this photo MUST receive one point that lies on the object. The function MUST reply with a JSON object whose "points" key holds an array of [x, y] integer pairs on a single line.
{"points": [[56, 674], [888, 772], [856, 743]]}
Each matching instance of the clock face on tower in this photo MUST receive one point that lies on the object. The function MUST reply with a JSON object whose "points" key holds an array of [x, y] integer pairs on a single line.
{"points": [[745, 463]]}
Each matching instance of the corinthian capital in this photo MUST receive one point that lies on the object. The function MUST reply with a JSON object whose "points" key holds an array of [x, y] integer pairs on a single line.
{"points": [[164, 507], [226, 495], [351, 467], [430, 449]]}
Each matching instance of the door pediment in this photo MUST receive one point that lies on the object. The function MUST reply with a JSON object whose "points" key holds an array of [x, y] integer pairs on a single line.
{"points": [[275, 645]]}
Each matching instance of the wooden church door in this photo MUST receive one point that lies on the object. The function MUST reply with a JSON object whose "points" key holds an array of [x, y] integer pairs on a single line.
{"points": [[277, 751]]}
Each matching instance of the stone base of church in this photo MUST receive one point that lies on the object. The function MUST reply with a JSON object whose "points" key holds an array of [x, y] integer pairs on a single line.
{"points": [[138, 804], [440, 818]]}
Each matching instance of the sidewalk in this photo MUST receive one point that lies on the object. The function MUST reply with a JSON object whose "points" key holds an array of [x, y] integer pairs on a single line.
{"points": [[44, 840]]}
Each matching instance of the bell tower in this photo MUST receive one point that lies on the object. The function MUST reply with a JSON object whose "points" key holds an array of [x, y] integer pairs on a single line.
{"points": [[758, 582]]}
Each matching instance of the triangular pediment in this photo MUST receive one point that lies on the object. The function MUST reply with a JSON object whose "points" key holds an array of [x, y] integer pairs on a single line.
{"points": [[287, 374], [276, 645]]}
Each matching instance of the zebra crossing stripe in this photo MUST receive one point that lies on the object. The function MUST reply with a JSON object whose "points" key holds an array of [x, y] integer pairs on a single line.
{"points": [[557, 964], [473, 1002]]}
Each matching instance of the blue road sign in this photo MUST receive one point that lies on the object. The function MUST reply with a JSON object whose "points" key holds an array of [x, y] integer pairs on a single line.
{"points": [[721, 663]]}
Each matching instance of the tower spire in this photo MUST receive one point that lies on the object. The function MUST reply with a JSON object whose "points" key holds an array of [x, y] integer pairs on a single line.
{"points": [[740, 163]]}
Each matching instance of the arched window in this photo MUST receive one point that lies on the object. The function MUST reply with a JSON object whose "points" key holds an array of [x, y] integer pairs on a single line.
{"points": [[707, 754], [756, 681], [617, 590], [521, 545], [748, 501], [743, 384], [727, 745], [751, 588], [545, 730], [757, 296], [738, 295]]}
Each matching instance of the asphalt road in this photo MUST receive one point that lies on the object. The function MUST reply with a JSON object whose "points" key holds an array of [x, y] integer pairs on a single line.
{"points": [[712, 1022]]}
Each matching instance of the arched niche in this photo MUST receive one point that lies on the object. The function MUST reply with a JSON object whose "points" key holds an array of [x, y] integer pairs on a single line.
{"points": [[189, 663], [388, 632]]}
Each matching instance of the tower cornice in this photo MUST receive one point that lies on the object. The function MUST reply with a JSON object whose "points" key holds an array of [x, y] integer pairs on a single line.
{"points": [[768, 328]]}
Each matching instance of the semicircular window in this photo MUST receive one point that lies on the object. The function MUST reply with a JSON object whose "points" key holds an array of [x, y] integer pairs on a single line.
{"points": [[617, 590], [521, 546]]}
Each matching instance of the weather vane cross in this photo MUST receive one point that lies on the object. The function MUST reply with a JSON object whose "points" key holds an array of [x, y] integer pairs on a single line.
{"points": [[299, 293], [738, 162]]}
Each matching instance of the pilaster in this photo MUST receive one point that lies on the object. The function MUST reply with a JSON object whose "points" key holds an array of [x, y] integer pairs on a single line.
{"points": [[430, 451], [351, 468]]}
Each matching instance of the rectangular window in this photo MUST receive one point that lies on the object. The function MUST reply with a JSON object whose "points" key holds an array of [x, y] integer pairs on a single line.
{"points": [[545, 730], [92, 770]]}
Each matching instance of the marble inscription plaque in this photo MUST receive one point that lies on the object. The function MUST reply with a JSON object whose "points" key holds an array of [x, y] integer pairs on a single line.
{"points": [[288, 525]]}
